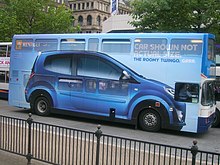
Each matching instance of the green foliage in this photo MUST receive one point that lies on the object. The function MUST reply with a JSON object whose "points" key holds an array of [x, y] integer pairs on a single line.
{"points": [[34, 16], [176, 16]]}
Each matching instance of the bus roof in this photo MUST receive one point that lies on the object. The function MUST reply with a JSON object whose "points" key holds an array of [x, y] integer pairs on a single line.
{"points": [[117, 35]]}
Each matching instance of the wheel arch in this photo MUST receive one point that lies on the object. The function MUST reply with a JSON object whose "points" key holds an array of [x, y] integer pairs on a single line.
{"points": [[40, 92], [151, 104]]}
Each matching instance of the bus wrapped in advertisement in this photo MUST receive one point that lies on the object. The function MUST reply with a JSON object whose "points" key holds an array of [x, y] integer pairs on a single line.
{"points": [[183, 62]]}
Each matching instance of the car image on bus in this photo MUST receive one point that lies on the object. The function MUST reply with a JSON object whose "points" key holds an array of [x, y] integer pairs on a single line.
{"points": [[183, 61], [96, 84]]}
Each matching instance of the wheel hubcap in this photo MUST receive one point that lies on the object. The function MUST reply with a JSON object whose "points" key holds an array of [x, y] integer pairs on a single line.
{"points": [[150, 119], [42, 106]]}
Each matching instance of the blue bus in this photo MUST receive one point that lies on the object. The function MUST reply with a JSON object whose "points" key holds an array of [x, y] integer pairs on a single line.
{"points": [[183, 61]]}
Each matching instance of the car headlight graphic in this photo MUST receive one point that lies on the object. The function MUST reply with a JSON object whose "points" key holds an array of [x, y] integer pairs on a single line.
{"points": [[179, 115], [170, 91]]}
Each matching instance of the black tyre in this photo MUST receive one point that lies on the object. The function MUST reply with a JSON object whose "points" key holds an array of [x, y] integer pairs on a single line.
{"points": [[42, 106], [149, 120], [216, 121]]}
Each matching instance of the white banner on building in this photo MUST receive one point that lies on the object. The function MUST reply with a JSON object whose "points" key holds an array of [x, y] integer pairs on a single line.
{"points": [[114, 7]]}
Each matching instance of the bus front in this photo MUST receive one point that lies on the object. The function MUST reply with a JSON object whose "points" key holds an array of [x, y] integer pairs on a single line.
{"points": [[199, 86], [208, 75]]}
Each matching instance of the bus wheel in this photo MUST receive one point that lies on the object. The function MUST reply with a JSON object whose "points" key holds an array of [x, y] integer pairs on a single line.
{"points": [[216, 121], [149, 120], [42, 106]]}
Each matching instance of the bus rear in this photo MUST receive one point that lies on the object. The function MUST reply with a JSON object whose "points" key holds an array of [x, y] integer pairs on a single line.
{"points": [[23, 54]]}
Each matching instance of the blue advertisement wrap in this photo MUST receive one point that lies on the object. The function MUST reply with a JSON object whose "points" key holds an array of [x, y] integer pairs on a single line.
{"points": [[155, 81]]}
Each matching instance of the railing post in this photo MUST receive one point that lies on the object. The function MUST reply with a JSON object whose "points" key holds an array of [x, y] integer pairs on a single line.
{"points": [[29, 155], [194, 151], [98, 134]]}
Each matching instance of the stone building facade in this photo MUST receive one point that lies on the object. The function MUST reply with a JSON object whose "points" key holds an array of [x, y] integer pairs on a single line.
{"points": [[90, 14]]}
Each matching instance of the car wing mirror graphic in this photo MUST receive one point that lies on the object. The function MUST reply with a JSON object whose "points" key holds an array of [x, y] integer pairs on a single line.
{"points": [[126, 75]]}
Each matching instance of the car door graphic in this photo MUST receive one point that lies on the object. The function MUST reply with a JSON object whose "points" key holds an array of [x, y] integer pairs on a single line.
{"points": [[103, 89]]}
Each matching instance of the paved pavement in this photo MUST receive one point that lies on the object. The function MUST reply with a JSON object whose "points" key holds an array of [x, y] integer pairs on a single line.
{"points": [[7, 158]]}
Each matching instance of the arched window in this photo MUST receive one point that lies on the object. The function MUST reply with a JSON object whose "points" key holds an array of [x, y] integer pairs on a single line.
{"points": [[104, 19], [80, 20], [89, 20], [99, 21]]}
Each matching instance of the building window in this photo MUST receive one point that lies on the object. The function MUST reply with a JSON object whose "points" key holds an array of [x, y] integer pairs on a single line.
{"points": [[89, 20], [99, 5], [87, 5], [92, 5], [74, 6], [99, 21], [80, 20], [104, 19], [83, 6], [103, 7], [79, 6]]}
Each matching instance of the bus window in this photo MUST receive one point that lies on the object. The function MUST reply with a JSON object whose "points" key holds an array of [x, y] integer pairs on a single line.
{"points": [[218, 59], [72, 44], [217, 90], [2, 76], [183, 47], [208, 93], [42, 45], [187, 92], [211, 53], [5, 50], [93, 44], [150, 47], [116, 45]]}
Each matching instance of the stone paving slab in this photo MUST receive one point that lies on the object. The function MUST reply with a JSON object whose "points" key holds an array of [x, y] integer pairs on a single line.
{"points": [[7, 158]]}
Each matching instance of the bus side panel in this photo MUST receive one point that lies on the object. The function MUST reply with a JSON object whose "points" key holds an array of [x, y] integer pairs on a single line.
{"points": [[21, 63], [17, 90], [191, 118]]}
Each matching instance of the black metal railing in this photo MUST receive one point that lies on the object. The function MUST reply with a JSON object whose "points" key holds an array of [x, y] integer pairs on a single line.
{"points": [[65, 146]]}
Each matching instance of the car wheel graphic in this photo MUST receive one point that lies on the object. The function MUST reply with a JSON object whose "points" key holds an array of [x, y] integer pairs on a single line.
{"points": [[149, 120], [42, 106]]}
